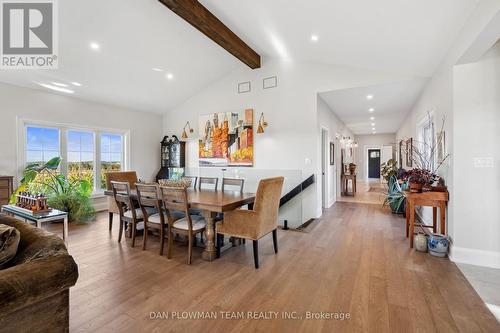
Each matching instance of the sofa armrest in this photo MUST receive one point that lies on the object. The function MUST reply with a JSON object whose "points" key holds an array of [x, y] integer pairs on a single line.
{"points": [[34, 281]]}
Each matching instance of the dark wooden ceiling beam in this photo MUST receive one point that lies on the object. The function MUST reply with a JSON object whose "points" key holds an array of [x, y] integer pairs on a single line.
{"points": [[202, 19]]}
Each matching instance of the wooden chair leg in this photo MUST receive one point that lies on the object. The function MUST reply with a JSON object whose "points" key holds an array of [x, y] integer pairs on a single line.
{"points": [[170, 243], [190, 249], [275, 240], [144, 237], [217, 246], [256, 253], [110, 221], [162, 240], [120, 232], [133, 225]]}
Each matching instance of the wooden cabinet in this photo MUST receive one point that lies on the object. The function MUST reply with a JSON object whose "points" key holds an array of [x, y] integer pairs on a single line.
{"points": [[6, 189]]}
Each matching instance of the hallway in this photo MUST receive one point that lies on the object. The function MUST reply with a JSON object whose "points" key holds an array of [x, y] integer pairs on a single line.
{"points": [[368, 192]]}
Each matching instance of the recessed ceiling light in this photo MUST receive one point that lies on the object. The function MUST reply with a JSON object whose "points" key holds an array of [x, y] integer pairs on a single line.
{"points": [[371, 109], [374, 132], [373, 128], [59, 84], [56, 88], [369, 96], [156, 69], [314, 38], [373, 124], [76, 84], [372, 118], [170, 76], [95, 46]]}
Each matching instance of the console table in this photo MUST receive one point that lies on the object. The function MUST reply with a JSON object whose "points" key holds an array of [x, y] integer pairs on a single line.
{"points": [[430, 199], [345, 184]]}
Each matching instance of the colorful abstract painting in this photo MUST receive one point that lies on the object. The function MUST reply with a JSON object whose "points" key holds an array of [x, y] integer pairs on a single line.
{"points": [[226, 139]]}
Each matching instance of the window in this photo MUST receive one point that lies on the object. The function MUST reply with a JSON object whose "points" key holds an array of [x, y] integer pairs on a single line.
{"points": [[427, 141], [111, 155], [81, 148], [85, 153], [42, 144]]}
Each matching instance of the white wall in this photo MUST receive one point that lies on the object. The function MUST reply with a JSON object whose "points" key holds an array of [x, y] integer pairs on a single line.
{"points": [[477, 134], [292, 138], [329, 121], [16, 102], [437, 97], [370, 141]]}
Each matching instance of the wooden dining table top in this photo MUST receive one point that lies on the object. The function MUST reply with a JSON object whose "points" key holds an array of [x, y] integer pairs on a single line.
{"points": [[211, 200]]}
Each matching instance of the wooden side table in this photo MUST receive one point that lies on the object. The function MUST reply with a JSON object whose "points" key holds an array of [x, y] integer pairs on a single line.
{"points": [[6, 189], [345, 184], [430, 199]]}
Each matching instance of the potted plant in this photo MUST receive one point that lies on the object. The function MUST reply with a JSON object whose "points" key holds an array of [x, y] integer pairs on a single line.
{"points": [[396, 197], [352, 168], [72, 197], [419, 178], [389, 169]]}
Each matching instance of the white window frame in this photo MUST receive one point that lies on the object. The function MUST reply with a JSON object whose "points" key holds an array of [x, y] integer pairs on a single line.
{"points": [[428, 120], [22, 124]]}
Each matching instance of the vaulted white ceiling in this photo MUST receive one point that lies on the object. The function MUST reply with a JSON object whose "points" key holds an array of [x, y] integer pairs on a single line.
{"points": [[409, 36], [388, 106]]}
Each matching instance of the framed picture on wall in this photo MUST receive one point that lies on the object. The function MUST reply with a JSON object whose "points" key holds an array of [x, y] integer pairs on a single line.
{"points": [[400, 154], [332, 153], [409, 152]]}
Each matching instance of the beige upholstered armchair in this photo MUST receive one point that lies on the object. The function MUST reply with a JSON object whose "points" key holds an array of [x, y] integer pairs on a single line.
{"points": [[255, 224], [120, 176]]}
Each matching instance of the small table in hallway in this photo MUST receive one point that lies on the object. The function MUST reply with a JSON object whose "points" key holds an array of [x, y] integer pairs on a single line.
{"points": [[430, 199], [345, 184]]}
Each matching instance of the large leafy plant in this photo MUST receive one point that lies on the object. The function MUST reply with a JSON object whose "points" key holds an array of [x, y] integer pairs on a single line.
{"points": [[69, 196], [396, 195]]}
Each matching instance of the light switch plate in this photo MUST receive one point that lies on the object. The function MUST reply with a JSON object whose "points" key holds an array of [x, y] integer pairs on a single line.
{"points": [[484, 162]]}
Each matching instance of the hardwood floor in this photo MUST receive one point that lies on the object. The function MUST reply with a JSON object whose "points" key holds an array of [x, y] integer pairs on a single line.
{"points": [[355, 259]]}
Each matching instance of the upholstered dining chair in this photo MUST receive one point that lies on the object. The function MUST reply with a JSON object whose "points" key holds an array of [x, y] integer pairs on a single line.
{"points": [[233, 184], [208, 180], [193, 180], [257, 223], [154, 218], [119, 176], [176, 199], [128, 213]]}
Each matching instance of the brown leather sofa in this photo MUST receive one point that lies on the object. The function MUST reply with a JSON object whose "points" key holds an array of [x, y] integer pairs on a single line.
{"points": [[34, 287]]}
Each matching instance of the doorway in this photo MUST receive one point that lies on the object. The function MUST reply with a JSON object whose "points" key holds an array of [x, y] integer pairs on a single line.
{"points": [[324, 167], [373, 163]]}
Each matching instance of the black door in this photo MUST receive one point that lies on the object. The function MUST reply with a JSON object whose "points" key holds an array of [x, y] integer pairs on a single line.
{"points": [[374, 163]]}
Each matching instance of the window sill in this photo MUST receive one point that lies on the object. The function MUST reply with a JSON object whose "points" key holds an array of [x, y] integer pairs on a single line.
{"points": [[98, 195]]}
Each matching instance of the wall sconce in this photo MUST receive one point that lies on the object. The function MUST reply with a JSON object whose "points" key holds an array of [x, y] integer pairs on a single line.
{"points": [[262, 124], [184, 134]]}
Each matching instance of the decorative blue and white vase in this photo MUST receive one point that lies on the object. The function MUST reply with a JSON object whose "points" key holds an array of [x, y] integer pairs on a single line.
{"points": [[438, 245]]}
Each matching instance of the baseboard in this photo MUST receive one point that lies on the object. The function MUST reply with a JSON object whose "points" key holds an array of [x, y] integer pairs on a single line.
{"points": [[475, 257], [100, 206]]}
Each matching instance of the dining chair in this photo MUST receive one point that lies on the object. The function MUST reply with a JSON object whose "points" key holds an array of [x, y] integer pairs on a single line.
{"points": [[129, 215], [257, 223], [208, 180], [193, 179], [152, 211], [118, 176], [176, 199], [235, 184]]}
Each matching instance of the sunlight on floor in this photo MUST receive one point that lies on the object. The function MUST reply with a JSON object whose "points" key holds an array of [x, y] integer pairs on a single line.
{"points": [[368, 192]]}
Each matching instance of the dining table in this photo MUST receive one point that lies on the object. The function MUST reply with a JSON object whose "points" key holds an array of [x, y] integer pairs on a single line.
{"points": [[211, 203]]}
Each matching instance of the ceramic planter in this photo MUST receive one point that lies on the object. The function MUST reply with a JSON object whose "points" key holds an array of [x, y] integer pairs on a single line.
{"points": [[438, 245], [420, 241]]}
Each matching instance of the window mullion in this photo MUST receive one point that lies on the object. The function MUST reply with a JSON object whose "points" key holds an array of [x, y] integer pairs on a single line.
{"points": [[97, 159], [63, 147]]}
